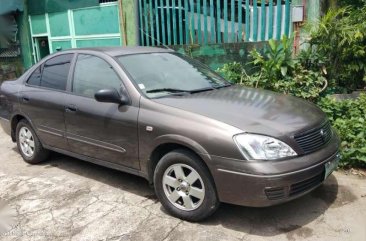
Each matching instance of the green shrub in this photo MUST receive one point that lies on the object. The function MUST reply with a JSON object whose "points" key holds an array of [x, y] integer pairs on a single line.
{"points": [[348, 117], [277, 70], [351, 3], [232, 72], [339, 39]]}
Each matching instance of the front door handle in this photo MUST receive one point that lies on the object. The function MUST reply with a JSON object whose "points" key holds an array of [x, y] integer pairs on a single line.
{"points": [[71, 108]]}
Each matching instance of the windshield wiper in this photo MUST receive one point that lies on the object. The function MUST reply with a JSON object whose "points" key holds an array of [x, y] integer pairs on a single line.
{"points": [[168, 90], [178, 91], [201, 90]]}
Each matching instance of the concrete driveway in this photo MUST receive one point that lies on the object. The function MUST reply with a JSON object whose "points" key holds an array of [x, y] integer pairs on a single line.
{"points": [[68, 199]]}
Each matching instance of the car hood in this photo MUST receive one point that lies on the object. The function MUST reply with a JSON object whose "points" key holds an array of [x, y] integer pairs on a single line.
{"points": [[251, 110]]}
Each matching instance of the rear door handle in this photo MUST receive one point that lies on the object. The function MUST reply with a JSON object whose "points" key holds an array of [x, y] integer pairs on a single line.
{"points": [[71, 108], [25, 99]]}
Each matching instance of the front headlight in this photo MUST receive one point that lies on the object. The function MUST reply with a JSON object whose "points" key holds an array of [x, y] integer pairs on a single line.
{"points": [[259, 147]]}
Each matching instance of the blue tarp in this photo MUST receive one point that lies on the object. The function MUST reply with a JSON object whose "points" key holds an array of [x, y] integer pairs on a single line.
{"points": [[7, 6]]}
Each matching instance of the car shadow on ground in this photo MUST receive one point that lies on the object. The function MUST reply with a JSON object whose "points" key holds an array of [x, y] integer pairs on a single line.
{"points": [[286, 218]]}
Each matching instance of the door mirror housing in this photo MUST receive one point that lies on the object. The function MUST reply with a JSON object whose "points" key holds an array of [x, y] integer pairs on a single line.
{"points": [[111, 96]]}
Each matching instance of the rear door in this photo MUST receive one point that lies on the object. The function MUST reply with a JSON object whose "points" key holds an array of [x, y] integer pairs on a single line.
{"points": [[106, 131], [43, 100]]}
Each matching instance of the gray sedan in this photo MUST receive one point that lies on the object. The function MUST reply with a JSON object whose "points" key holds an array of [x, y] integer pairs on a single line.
{"points": [[155, 113]]}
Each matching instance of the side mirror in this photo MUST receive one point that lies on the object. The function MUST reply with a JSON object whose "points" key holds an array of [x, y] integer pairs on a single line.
{"points": [[111, 96]]}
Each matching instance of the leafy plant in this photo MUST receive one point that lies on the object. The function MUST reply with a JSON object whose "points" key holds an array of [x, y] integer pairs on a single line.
{"points": [[277, 60], [277, 70], [304, 83], [232, 71], [348, 117], [339, 41]]}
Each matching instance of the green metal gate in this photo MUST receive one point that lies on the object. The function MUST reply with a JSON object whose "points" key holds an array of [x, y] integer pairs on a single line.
{"points": [[176, 22]]}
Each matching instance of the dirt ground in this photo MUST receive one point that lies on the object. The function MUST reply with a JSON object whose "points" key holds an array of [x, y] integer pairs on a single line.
{"points": [[68, 199]]}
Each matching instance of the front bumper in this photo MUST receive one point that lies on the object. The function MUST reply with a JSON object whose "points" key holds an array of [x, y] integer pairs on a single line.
{"points": [[265, 183]]}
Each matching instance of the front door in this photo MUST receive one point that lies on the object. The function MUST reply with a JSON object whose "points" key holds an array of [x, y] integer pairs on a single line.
{"points": [[105, 131]]}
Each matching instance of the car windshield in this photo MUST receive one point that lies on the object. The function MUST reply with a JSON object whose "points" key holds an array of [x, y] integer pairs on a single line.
{"points": [[162, 74]]}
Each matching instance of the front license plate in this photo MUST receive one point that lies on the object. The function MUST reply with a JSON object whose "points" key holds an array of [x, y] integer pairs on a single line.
{"points": [[331, 165]]}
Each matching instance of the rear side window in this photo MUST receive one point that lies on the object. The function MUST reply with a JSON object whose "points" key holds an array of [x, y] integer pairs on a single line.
{"points": [[55, 72], [35, 78], [93, 74]]}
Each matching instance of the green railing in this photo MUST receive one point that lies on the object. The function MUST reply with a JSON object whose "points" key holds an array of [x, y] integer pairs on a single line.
{"points": [[176, 22]]}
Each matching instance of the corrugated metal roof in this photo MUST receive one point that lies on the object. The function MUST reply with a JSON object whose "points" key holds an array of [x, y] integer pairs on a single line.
{"points": [[9, 53]]}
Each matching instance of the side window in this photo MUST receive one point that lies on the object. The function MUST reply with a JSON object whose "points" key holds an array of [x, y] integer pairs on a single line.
{"points": [[56, 71], [35, 78], [92, 74]]}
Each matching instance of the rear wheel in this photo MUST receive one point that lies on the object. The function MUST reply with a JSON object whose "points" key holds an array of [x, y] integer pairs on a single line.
{"points": [[29, 145], [184, 186]]}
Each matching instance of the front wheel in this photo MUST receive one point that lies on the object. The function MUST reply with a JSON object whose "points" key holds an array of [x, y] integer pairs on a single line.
{"points": [[184, 186]]}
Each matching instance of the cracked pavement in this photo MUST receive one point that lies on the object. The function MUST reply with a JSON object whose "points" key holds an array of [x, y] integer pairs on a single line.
{"points": [[68, 199]]}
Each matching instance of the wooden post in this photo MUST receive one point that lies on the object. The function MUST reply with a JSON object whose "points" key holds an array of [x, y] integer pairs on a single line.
{"points": [[122, 23]]}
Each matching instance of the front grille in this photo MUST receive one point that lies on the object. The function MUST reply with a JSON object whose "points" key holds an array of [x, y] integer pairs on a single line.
{"points": [[313, 140], [275, 193], [305, 185]]}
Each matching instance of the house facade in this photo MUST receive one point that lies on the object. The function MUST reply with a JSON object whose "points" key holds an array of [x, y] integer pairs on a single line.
{"points": [[206, 27]]}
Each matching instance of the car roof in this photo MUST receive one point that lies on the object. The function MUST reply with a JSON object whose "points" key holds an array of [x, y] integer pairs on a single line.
{"points": [[118, 51]]}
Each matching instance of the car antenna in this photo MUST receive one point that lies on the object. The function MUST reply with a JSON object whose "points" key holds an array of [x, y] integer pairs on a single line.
{"points": [[167, 47]]}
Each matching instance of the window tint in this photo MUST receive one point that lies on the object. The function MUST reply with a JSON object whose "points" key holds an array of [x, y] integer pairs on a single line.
{"points": [[93, 74], [35, 78], [56, 71]]}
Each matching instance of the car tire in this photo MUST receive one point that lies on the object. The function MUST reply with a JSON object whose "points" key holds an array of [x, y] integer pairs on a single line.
{"points": [[184, 186], [29, 144]]}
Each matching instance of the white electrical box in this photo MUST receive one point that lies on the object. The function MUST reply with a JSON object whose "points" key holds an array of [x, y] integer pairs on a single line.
{"points": [[297, 13]]}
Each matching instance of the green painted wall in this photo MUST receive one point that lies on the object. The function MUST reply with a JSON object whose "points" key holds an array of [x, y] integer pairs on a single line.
{"points": [[97, 42], [101, 20], [37, 7], [39, 24], [59, 24], [60, 45]]}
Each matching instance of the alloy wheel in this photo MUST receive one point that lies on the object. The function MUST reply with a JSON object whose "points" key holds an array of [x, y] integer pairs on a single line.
{"points": [[26, 141], [183, 187]]}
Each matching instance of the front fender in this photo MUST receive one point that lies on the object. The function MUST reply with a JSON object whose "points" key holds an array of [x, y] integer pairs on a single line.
{"points": [[146, 154], [184, 141]]}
